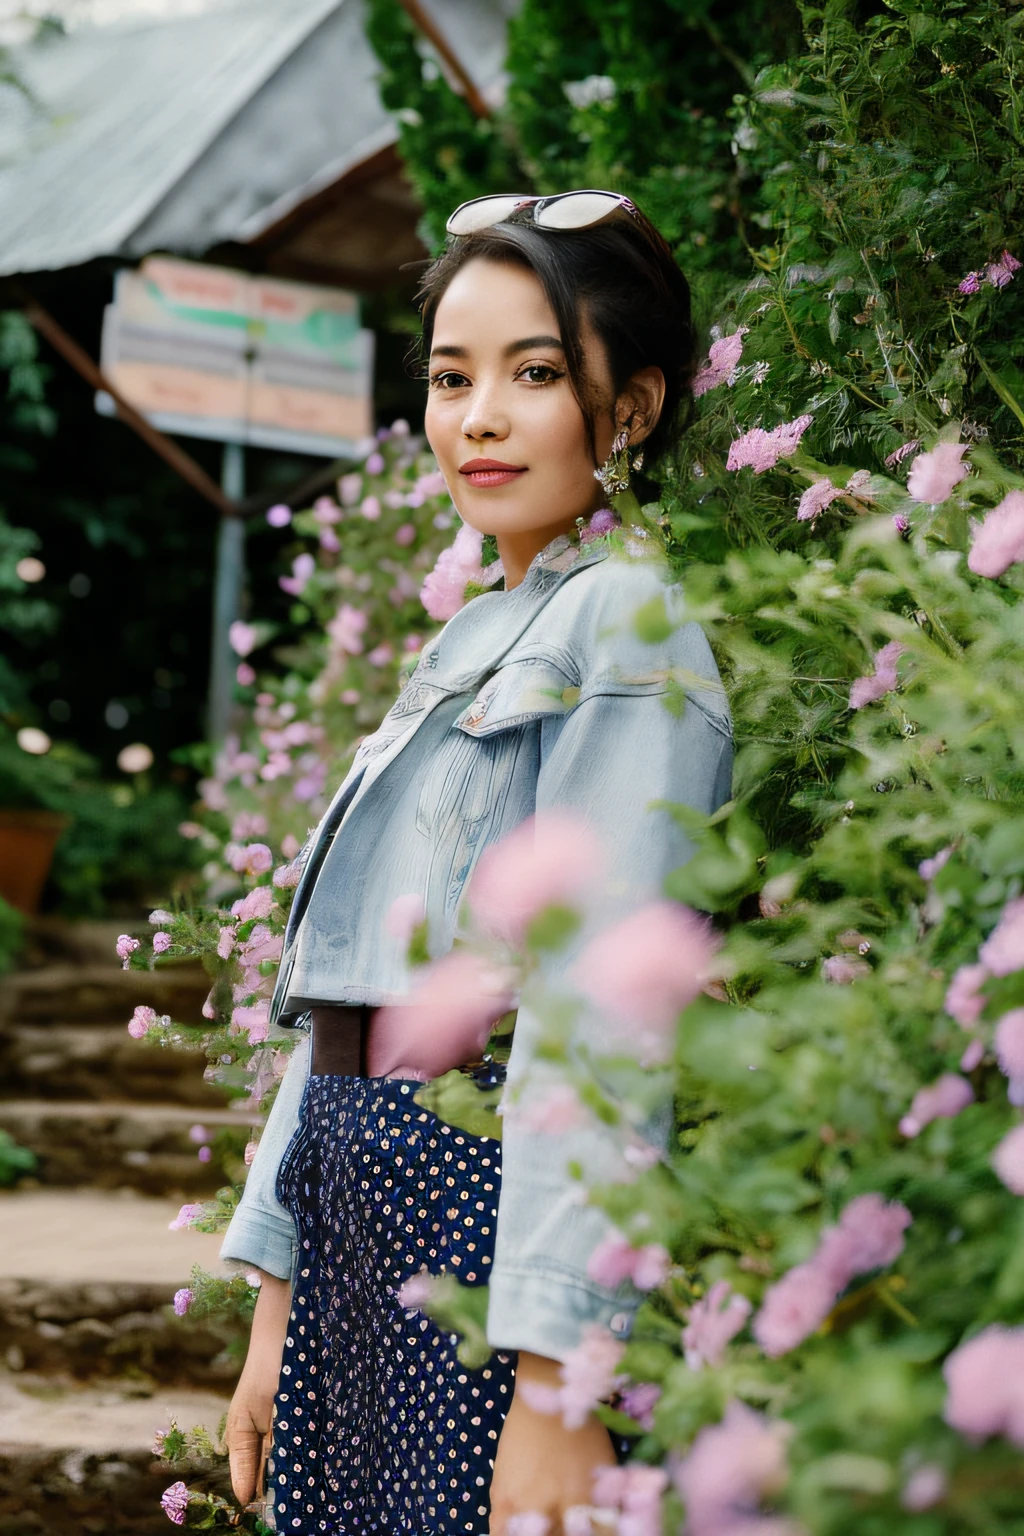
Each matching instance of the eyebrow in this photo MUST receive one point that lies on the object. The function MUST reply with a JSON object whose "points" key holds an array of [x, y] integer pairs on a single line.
{"points": [[526, 345]]}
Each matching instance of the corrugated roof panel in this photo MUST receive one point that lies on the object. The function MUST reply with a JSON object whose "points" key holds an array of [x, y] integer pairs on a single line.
{"points": [[124, 112]]}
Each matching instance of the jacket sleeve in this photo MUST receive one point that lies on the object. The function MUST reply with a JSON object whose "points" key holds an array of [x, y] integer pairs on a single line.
{"points": [[618, 750], [261, 1231]]}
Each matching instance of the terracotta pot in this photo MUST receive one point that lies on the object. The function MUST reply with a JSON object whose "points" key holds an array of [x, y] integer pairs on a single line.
{"points": [[27, 841]]}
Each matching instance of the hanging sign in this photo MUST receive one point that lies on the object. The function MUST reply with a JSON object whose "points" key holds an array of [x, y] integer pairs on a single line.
{"points": [[208, 352]]}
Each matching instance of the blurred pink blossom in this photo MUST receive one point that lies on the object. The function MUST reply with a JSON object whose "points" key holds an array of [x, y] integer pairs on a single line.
{"points": [[550, 859], [635, 1492], [934, 475], [432, 484], [405, 535], [248, 824], [819, 495], [793, 1308], [346, 629], [183, 1299], [249, 1153], [443, 592], [1003, 950], [404, 915], [161, 943], [350, 488], [208, 1009], [645, 970], [844, 969], [349, 696], [258, 903], [205, 1154], [186, 1217], [973, 1055], [964, 1000], [925, 1487], [290, 845], [1009, 1044], [245, 676], [556, 1110], [303, 567], [415, 1293], [762, 450], [370, 508], [375, 464], [254, 1020], [615, 1260], [329, 540], [723, 357], [226, 941], [198, 1133], [141, 1021], [446, 1021], [713, 1321], [639, 1402], [243, 637], [1008, 1160], [381, 654], [279, 516], [985, 1385], [730, 1468], [287, 876], [943, 1100], [412, 643], [998, 541], [326, 511], [601, 522], [868, 690], [929, 868], [126, 947], [588, 1373], [252, 859]]}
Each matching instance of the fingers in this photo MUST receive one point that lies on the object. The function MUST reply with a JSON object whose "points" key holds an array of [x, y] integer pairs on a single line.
{"points": [[245, 1453]]}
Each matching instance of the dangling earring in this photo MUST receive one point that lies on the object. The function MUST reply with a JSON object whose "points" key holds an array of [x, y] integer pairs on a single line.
{"points": [[614, 472]]}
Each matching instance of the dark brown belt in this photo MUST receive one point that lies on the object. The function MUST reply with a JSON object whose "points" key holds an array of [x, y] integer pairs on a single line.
{"points": [[338, 1035]]}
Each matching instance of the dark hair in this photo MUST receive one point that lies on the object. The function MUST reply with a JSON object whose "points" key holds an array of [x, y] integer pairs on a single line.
{"points": [[622, 280]]}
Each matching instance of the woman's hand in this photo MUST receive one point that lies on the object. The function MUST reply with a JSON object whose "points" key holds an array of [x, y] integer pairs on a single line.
{"points": [[541, 1466], [249, 1415]]}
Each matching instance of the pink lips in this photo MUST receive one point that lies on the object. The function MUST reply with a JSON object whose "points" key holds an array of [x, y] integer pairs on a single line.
{"points": [[489, 472]]}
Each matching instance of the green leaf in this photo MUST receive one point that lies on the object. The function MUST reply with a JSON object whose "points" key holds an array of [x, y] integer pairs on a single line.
{"points": [[456, 1100]]}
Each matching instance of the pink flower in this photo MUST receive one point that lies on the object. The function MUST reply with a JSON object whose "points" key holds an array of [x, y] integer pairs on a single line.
{"points": [[326, 510], [970, 284], [255, 1020], [964, 1000], [290, 845], [793, 1308], [244, 675], [125, 947], [412, 643], [1003, 950], [303, 567], [381, 654], [432, 484], [444, 591], [551, 1113], [226, 941], [416, 1292], [198, 1133], [249, 1153], [645, 970], [141, 1021], [925, 1486], [713, 1321], [1008, 1160], [529, 1522], [929, 868], [639, 1402], [349, 488], [186, 1217], [350, 696], [405, 535], [287, 876], [1009, 1044], [252, 859], [279, 516], [243, 638], [174, 1502], [942, 1101], [346, 629], [868, 690], [446, 1021], [973, 1054], [209, 1011], [161, 943], [550, 859], [819, 495], [762, 450], [370, 508], [615, 1260], [1000, 272], [985, 1385], [998, 541], [404, 916], [723, 357], [844, 969], [588, 1373], [635, 1492], [729, 1469], [375, 464], [933, 475], [183, 1299], [259, 903], [602, 522]]}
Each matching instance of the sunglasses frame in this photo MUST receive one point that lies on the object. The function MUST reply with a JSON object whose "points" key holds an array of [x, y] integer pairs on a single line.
{"points": [[622, 204]]}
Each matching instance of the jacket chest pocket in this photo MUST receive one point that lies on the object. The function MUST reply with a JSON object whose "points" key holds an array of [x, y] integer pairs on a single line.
{"points": [[466, 782]]}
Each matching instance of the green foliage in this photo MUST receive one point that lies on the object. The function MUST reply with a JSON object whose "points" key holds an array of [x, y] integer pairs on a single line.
{"points": [[14, 1160], [12, 929]]}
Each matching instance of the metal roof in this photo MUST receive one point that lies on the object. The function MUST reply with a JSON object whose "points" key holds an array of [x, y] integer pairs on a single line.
{"points": [[177, 135]]}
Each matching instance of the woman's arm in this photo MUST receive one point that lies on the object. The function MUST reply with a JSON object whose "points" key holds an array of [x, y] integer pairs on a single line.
{"points": [[252, 1404]]}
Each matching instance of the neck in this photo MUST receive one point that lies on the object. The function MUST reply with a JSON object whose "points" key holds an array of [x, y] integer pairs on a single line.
{"points": [[518, 549]]}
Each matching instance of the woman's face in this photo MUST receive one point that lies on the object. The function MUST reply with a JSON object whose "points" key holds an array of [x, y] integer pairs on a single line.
{"points": [[501, 417]]}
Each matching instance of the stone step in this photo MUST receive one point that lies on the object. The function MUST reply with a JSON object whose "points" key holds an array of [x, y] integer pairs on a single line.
{"points": [[78, 1459], [123, 1145], [86, 1285], [101, 1062], [101, 993]]}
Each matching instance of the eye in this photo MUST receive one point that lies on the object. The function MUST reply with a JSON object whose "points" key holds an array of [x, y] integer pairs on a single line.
{"points": [[448, 380], [541, 373]]}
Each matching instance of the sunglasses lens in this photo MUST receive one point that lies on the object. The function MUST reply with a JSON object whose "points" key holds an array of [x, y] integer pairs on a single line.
{"points": [[483, 212], [577, 210]]}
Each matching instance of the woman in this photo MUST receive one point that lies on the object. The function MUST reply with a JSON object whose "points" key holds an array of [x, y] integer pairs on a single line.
{"points": [[559, 346]]}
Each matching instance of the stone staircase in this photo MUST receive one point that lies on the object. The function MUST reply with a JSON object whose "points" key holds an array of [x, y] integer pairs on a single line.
{"points": [[92, 1359]]}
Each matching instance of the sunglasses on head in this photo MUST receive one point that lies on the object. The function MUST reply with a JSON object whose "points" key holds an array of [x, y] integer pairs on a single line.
{"points": [[561, 211]]}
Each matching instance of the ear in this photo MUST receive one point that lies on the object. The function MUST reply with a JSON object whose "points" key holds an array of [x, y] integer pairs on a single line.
{"points": [[639, 405]]}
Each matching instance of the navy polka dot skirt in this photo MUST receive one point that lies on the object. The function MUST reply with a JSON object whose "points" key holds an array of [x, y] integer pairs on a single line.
{"points": [[380, 1429]]}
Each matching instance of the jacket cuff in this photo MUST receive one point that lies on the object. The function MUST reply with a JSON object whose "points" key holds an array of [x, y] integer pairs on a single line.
{"points": [[546, 1314], [254, 1237]]}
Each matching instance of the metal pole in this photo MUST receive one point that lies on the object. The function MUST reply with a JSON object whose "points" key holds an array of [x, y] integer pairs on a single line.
{"points": [[229, 577]]}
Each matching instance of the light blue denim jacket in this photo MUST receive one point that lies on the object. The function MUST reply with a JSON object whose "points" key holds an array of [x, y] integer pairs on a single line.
{"points": [[540, 698]]}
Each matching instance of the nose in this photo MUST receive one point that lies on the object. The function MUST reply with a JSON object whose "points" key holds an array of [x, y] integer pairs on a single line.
{"points": [[485, 416]]}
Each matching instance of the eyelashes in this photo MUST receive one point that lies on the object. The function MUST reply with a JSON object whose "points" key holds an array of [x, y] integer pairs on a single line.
{"points": [[552, 375]]}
